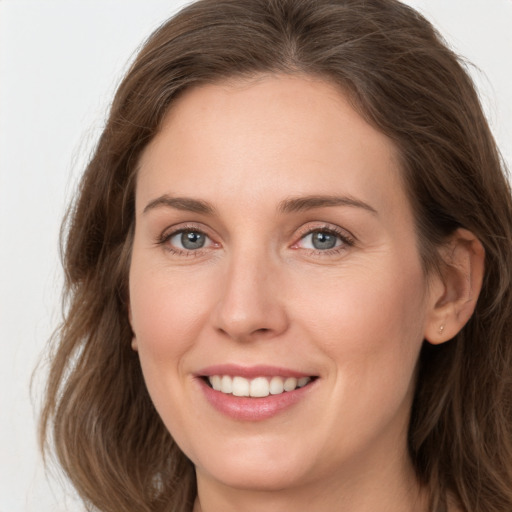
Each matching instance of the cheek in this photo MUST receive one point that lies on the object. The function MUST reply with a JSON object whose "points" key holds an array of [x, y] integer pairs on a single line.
{"points": [[371, 331], [166, 320], [167, 317], [350, 304], [370, 323], [167, 310]]}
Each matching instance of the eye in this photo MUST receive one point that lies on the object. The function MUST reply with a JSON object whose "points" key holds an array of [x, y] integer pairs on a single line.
{"points": [[186, 240], [321, 240], [189, 240], [327, 240]]}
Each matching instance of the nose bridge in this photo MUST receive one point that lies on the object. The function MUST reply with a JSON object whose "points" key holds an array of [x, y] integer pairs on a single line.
{"points": [[249, 303]]}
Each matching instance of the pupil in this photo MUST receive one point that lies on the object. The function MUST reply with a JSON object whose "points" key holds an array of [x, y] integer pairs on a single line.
{"points": [[322, 240], [192, 240]]}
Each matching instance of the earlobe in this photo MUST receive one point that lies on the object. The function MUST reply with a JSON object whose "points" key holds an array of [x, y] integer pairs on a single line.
{"points": [[135, 347], [455, 292]]}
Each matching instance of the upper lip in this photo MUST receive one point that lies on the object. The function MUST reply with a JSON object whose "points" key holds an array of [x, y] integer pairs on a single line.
{"points": [[250, 372]]}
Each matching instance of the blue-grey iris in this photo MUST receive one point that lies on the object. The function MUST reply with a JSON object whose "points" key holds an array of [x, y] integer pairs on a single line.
{"points": [[192, 240], [323, 240]]}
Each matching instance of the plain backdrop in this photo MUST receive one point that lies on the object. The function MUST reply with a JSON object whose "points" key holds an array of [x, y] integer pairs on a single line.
{"points": [[60, 61]]}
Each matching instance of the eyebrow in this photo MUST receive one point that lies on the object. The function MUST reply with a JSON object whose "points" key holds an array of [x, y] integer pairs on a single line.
{"points": [[299, 204], [181, 203], [291, 205]]}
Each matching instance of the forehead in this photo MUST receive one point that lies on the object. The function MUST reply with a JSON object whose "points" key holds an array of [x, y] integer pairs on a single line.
{"points": [[270, 137]]}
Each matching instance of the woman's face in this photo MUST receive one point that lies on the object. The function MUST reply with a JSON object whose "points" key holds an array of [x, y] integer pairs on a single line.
{"points": [[275, 248]]}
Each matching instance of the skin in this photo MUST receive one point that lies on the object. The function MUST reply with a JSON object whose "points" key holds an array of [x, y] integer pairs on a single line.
{"points": [[259, 292]]}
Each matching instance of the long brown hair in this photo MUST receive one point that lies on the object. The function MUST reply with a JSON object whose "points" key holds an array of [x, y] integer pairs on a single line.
{"points": [[402, 78]]}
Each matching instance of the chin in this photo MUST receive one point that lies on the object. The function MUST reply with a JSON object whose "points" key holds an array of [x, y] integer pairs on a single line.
{"points": [[257, 477]]}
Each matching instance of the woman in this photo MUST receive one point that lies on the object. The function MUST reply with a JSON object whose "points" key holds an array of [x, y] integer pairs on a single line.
{"points": [[288, 272]]}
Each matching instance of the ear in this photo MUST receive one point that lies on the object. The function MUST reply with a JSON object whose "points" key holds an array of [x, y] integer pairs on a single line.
{"points": [[134, 338], [453, 293]]}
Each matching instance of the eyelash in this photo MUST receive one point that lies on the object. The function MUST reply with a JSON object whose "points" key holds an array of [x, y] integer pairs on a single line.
{"points": [[347, 240], [165, 237]]}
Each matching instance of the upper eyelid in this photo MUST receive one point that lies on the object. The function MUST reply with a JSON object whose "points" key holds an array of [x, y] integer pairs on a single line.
{"points": [[181, 227], [303, 231], [170, 232], [324, 226]]}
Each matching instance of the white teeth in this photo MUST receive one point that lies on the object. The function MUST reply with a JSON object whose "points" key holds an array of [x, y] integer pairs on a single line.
{"points": [[290, 384], [240, 386], [256, 388], [215, 381], [276, 385], [303, 381], [226, 384], [259, 387]]}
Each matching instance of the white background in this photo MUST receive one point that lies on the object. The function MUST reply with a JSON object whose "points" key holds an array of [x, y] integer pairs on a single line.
{"points": [[60, 61]]}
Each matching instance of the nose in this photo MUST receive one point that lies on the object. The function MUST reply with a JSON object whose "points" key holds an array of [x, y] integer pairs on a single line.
{"points": [[251, 304]]}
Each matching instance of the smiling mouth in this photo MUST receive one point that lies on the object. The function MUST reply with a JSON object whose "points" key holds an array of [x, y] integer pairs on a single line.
{"points": [[258, 387]]}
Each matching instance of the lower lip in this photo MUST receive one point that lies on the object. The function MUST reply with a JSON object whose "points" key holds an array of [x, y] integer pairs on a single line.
{"points": [[253, 409]]}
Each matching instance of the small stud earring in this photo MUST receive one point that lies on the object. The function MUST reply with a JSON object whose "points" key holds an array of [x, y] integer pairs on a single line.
{"points": [[441, 329]]}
